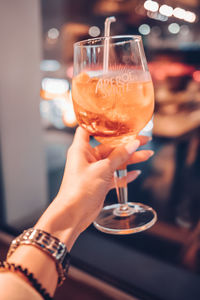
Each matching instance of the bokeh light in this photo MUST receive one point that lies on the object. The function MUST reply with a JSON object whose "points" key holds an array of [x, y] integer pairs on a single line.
{"points": [[94, 31], [190, 17], [196, 76], [179, 13], [174, 28], [166, 10], [151, 5], [144, 29], [53, 33]]}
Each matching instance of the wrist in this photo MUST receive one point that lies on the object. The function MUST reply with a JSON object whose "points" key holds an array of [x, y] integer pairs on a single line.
{"points": [[60, 221]]}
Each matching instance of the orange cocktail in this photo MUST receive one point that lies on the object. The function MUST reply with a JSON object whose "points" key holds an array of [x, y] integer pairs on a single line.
{"points": [[115, 107]]}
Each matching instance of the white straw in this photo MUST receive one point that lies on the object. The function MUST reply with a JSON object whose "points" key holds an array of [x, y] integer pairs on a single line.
{"points": [[107, 23]]}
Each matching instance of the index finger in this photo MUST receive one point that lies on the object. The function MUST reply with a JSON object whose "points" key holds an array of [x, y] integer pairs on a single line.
{"points": [[81, 136]]}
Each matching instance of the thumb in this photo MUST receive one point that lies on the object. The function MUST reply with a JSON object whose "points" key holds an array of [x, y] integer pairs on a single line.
{"points": [[121, 154]]}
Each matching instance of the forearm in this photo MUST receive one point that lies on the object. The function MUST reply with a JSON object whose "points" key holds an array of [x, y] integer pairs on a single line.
{"points": [[39, 263], [15, 288], [55, 222]]}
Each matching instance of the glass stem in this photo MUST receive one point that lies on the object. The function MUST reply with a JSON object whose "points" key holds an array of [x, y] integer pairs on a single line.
{"points": [[122, 193]]}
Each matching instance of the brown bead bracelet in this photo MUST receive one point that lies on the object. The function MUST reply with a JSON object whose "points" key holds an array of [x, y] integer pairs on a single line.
{"points": [[32, 280]]}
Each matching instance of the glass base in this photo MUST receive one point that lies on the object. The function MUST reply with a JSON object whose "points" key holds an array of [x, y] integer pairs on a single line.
{"points": [[141, 218]]}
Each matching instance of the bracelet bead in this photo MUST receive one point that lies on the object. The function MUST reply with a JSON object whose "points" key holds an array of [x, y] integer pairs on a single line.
{"points": [[6, 266]]}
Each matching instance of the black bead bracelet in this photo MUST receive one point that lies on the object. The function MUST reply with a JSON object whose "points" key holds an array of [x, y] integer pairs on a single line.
{"points": [[24, 271]]}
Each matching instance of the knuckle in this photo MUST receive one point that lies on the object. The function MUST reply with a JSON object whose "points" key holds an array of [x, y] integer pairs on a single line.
{"points": [[123, 157], [109, 163], [70, 150]]}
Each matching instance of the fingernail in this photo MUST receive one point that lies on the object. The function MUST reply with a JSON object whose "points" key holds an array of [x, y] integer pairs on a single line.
{"points": [[150, 153], [138, 172], [132, 146]]}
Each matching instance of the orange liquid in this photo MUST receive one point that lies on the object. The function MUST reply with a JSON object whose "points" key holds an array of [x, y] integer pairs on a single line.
{"points": [[113, 109]]}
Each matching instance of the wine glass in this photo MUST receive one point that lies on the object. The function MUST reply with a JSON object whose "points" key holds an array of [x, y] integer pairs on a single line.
{"points": [[113, 99]]}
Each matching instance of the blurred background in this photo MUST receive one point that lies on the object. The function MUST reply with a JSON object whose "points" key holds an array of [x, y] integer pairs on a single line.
{"points": [[37, 124], [171, 37]]}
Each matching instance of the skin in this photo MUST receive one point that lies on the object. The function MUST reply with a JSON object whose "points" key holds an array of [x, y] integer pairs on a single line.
{"points": [[78, 201]]}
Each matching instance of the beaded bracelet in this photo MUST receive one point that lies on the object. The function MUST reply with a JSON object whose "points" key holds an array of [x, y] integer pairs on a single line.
{"points": [[32, 280]]}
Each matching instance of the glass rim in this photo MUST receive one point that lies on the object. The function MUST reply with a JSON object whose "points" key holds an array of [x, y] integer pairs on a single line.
{"points": [[136, 38]]}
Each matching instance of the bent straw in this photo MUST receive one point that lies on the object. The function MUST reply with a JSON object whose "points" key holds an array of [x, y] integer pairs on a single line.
{"points": [[107, 23]]}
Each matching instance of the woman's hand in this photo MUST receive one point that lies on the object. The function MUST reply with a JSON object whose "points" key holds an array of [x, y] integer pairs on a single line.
{"points": [[88, 177]]}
